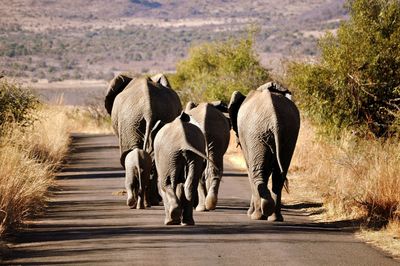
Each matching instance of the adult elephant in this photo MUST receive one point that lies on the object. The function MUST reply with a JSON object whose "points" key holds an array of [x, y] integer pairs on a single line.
{"points": [[267, 125], [215, 127], [135, 104]]}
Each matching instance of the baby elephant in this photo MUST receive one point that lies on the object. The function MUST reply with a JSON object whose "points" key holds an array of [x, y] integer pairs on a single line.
{"points": [[137, 175], [179, 149]]}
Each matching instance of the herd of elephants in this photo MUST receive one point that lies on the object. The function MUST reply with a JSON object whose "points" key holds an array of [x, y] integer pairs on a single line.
{"points": [[179, 154]]}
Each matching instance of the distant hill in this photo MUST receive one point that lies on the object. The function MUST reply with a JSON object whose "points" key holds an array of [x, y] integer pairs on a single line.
{"points": [[80, 39]]}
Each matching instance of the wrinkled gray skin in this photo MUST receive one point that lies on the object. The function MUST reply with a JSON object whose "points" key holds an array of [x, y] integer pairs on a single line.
{"points": [[136, 103], [267, 125], [215, 127], [179, 150], [137, 177]]}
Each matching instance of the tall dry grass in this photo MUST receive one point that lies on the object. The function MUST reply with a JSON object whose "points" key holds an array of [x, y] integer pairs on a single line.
{"points": [[30, 157], [355, 178]]}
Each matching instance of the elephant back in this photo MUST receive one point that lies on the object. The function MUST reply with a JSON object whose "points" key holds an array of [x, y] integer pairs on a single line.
{"points": [[263, 110], [214, 125], [178, 135], [270, 119], [116, 86], [138, 107], [164, 102]]}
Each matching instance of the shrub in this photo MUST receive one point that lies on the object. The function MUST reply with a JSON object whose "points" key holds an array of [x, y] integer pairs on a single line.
{"points": [[356, 84], [214, 70], [16, 104]]}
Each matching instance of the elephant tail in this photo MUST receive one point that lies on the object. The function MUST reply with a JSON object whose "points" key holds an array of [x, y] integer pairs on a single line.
{"points": [[202, 155], [278, 159], [140, 170], [147, 136]]}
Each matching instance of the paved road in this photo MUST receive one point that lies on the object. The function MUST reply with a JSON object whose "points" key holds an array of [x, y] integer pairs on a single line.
{"points": [[87, 223]]}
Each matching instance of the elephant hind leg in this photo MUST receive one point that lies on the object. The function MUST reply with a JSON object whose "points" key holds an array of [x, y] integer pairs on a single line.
{"points": [[187, 206], [201, 192], [171, 204], [251, 208], [277, 184], [213, 179], [212, 195]]}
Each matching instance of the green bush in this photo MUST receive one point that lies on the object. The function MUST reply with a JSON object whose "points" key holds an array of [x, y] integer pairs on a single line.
{"points": [[16, 104], [214, 70], [356, 83]]}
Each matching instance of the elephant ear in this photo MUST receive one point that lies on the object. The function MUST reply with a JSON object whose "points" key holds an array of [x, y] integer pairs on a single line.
{"points": [[123, 157], [161, 79], [157, 126], [233, 109], [184, 117], [220, 105], [189, 106], [116, 85]]}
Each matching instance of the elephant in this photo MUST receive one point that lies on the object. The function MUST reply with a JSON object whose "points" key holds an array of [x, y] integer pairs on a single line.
{"points": [[138, 166], [135, 104], [179, 151], [215, 127], [266, 124]]}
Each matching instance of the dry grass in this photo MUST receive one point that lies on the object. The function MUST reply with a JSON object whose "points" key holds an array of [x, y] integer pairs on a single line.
{"points": [[353, 178], [29, 158], [91, 119], [388, 238]]}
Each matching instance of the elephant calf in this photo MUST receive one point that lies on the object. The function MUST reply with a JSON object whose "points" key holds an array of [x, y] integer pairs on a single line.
{"points": [[267, 124], [137, 175], [179, 156]]}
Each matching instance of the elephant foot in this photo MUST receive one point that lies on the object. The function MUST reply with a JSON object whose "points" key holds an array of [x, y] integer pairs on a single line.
{"points": [[201, 208], [267, 206], [131, 203], [211, 201], [275, 218], [257, 215], [250, 210], [186, 222], [175, 213], [140, 206], [169, 221]]}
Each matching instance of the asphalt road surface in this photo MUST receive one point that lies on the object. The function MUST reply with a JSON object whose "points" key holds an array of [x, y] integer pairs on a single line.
{"points": [[88, 222]]}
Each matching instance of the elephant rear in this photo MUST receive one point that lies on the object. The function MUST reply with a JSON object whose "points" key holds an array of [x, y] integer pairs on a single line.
{"points": [[179, 156], [266, 123]]}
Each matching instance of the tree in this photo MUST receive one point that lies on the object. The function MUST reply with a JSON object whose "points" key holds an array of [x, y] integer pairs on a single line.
{"points": [[214, 70], [356, 83]]}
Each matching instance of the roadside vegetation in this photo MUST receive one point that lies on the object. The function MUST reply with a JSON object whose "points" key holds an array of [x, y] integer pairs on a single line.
{"points": [[351, 96], [347, 155], [215, 70], [34, 141]]}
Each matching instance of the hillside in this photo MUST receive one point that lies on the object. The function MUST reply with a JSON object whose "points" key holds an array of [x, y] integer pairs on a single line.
{"points": [[80, 39]]}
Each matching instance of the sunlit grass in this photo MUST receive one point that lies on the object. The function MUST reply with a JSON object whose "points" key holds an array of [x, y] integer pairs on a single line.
{"points": [[30, 157]]}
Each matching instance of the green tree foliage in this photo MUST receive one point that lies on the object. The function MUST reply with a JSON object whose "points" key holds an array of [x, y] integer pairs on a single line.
{"points": [[16, 104], [214, 70], [356, 84]]}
